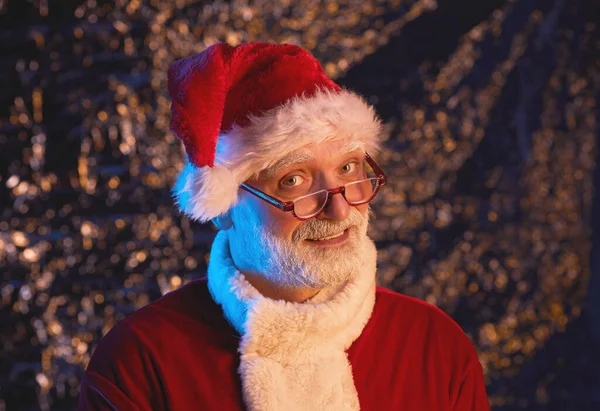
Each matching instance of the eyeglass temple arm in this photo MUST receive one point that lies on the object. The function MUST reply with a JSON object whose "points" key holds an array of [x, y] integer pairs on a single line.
{"points": [[380, 174], [287, 206]]}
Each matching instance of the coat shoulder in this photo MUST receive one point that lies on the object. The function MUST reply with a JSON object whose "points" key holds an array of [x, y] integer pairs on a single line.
{"points": [[410, 315], [190, 304], [162, 323]]}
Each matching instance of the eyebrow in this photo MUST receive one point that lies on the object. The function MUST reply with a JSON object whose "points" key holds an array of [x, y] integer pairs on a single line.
{"points": [[295, 158], [304, 157]]}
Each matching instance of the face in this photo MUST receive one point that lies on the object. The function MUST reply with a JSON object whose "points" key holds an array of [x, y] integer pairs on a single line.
{"points": [[321, 251]]}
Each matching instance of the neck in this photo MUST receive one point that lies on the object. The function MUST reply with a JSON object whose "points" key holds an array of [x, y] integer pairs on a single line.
{"points": [[274, 291]]}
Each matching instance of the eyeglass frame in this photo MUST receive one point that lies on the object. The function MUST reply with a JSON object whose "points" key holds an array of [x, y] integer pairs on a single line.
{"points": [[288, 206]]}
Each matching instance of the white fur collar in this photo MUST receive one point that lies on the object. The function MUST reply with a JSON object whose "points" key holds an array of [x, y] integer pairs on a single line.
{"points": [[293, 355]]}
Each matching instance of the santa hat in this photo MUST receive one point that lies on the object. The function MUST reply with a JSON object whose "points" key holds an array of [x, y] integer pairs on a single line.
{"points": [[238, 110]]}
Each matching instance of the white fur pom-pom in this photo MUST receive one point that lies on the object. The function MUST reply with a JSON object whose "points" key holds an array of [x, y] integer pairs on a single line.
{"points": [[205, 193]]}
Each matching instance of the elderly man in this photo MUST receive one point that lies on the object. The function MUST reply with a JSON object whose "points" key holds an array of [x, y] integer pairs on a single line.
{"points": [[289, 316]]}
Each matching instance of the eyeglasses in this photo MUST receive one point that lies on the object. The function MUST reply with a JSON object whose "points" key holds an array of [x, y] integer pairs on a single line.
{"points": [[310, 205]]}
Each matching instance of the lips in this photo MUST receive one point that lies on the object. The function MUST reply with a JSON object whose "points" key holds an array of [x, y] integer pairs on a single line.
{"points": [[333, 239], [329, 237]]}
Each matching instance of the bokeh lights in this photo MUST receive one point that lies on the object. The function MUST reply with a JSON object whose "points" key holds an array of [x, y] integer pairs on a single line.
{"points": [[490, 152]]}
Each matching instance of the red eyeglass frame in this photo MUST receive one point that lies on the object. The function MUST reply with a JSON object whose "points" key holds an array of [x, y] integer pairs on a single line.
{"points": [[289, 205]]}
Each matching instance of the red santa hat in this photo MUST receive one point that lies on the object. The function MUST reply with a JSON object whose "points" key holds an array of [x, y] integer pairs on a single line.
{"points": [[238, 110]]}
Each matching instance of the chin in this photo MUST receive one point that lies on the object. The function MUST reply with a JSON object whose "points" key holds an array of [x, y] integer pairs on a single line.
{"points": [[325, 267]]}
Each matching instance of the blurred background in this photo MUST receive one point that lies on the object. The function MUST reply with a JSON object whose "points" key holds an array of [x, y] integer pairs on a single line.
{"points": [[492, 212]]}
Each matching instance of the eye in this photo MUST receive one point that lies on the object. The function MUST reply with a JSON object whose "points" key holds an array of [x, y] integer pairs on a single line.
{"points": [[349, 167], [292, 181]]}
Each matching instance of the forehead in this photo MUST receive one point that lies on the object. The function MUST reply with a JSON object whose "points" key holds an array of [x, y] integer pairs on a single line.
{"points": [[321, 153]]}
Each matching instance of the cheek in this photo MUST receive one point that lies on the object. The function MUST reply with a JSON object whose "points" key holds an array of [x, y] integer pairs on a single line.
{"points": [[363, 209], [288, 226], [281, 224]]}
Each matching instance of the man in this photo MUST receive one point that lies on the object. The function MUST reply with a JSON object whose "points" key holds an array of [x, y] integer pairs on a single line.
{"points": [[289, 317]]}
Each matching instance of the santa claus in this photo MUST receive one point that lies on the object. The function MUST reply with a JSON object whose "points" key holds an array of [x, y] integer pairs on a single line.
{"points": [[280, 159]]}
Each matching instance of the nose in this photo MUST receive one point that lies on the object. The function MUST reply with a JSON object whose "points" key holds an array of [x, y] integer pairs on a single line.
{"points": [[336, 209]]}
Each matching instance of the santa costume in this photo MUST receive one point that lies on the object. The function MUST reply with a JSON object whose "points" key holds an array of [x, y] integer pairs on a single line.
{"points": [[217, 343]]}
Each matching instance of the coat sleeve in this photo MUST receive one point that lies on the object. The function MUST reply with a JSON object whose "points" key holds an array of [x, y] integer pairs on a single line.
{"points": [[122, 375], [99, 394], [472, 395]]}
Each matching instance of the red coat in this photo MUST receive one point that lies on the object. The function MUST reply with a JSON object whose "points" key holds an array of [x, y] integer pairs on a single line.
{"points": [[179, 353]]}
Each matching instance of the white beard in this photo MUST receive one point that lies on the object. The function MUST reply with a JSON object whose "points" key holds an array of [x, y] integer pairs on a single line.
{"points": [[297, 264], [293, 355]]}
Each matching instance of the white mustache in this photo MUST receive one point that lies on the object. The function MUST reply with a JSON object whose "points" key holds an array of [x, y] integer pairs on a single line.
{"points": [[313, 229]]}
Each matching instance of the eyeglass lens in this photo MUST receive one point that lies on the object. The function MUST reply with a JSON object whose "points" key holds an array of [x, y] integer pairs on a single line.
{"points": [[356, 193]]}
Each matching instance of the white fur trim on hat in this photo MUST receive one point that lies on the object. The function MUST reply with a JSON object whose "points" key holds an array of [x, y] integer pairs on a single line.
{"points": [[204, 193]]}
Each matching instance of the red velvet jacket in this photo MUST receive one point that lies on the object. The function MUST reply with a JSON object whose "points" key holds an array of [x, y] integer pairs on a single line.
{"points": [[179, 353]]}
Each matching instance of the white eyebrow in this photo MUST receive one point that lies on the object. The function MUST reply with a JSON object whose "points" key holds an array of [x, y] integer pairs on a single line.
{"points": [[304, 157], [294, 158]]}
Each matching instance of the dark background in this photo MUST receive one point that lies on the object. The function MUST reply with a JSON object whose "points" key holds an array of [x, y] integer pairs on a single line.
{"points": [[492, 211]]}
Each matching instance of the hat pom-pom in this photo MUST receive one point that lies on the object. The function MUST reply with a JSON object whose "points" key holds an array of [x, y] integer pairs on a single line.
{"points": [[203, 193]]}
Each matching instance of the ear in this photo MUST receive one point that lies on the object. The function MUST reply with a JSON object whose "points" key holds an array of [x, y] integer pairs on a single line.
{"points": [[223, 221]]}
